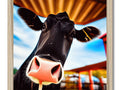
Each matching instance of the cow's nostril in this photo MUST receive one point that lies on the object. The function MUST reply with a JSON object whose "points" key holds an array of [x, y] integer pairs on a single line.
{"points": [[55, 69], [34, 65], [60, 74], [37, 62]]}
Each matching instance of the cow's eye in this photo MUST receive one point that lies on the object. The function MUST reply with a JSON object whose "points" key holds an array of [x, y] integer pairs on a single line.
{"points": [[44, 28]]}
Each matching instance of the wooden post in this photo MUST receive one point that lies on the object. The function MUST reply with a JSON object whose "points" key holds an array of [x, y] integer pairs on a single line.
{"points": [[101, 84], [91, 81], [79, 82]]}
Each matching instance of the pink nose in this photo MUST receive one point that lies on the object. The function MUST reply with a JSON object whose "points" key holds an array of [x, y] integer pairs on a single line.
{"points": [[44, 70]]}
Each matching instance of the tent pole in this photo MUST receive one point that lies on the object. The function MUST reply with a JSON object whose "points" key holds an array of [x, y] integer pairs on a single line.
{"points": [[79, 82], [91, 81]]}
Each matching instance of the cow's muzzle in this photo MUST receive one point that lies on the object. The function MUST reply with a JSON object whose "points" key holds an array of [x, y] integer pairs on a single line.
{"points": [[44, 70]]}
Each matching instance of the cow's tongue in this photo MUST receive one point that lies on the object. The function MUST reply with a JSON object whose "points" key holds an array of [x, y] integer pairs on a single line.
{"points": [[40, 85]]}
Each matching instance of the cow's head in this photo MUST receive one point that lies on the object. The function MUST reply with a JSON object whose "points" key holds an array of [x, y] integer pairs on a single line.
{"points": [[57, 34]]}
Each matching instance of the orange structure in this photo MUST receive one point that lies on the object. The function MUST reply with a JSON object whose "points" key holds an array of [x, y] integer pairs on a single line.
{"points": [[80, 11], [103, 37], [101, 83], [89, 68], [91, 81], [79, 82]]}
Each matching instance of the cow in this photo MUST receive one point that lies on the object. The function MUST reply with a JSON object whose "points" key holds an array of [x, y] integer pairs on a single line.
{"points": [[45, 64]]}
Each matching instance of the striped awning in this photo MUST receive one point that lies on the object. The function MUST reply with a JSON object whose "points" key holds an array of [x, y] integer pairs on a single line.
{"points": [[80, 11]]}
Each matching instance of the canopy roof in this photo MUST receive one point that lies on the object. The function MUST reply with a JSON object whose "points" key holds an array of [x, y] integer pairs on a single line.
{"points": [[80, 11], [101, 65]]}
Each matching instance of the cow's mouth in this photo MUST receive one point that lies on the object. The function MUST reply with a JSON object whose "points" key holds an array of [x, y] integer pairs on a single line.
{"points": [[44, 70]]}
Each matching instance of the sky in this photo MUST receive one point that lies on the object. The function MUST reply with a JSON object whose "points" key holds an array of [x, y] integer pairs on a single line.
{"points": [[81, 54]]}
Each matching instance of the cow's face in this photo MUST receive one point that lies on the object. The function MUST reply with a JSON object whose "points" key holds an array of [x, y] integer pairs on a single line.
{"points": [[54, 44], [56, 38]]}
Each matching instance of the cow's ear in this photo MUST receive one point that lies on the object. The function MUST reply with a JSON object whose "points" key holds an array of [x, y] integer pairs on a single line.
{"points": [[86, 34], [31, 19]]}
